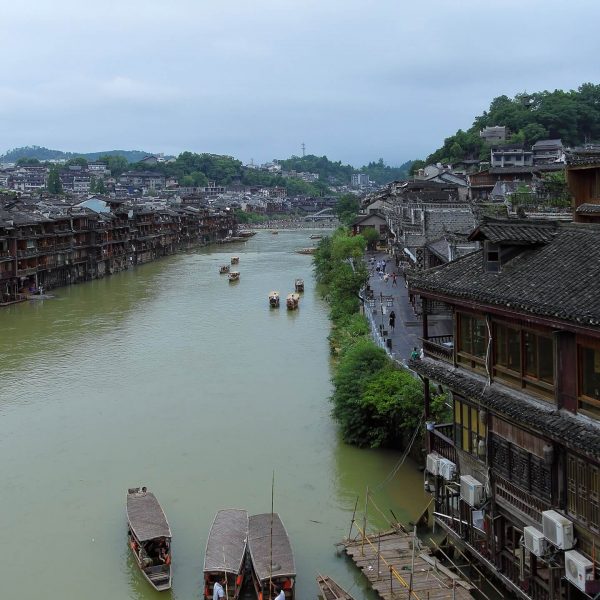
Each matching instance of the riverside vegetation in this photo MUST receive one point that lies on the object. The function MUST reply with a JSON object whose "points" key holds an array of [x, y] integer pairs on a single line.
{"points": [[376, 402]]}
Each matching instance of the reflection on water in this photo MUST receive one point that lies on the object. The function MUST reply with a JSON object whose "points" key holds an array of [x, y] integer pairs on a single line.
{"points": [[169, 376]]}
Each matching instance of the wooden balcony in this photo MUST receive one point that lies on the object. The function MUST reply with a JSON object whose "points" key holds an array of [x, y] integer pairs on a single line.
{"points": [[440, 347], [441, 441], [524, 502], [25, 252]]}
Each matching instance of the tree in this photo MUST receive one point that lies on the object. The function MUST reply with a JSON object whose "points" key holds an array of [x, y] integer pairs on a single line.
{"points": [[115, 163], [77, 162], [354, 372], [534, 132], [97, 185], [28, 161], [371, 236], [53, 184], [346, 208], [415, 166]]}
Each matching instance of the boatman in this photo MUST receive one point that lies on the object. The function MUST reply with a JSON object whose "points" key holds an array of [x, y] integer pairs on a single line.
{"points": [[280, 594], [218, 591]]}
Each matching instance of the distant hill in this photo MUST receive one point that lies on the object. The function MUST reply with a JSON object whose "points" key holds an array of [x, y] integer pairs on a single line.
{"points": [[335, 171], [42, 154], [573, 116]]}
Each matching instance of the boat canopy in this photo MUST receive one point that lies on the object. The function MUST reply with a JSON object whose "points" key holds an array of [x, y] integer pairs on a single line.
{"points": [[146, 517], [259, 542], [226, 544]]}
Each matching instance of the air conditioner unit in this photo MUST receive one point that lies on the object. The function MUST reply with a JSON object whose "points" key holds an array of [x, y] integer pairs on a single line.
{"points": [[535, 541], [578, 569], [471, 490], [447, 469], [433, 463], [558, 529]]}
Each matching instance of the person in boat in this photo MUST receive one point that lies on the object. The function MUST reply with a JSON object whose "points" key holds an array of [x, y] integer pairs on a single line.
{"points": [[163, 555], [280, 594], [218, 591]]}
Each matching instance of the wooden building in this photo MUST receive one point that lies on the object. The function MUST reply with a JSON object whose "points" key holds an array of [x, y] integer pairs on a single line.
{"points": [[516, 471], [583, 178]]}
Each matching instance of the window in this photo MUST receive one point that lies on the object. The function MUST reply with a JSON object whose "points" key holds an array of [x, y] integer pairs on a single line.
{"points": [[469, 431], [472, 340], [539, 356], [524, 358], [583, 491], [589, 380], [491, 257], [507, 348]]}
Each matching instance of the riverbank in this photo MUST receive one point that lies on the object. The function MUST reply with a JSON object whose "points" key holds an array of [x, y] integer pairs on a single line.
{"points": [[40, 252]]}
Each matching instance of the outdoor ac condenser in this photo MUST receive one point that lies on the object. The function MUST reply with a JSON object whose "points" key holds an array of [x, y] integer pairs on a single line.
{"points": [[558, 529], [447, 469], [578, 569], [535, 541], [433, 463], [471, 490]]}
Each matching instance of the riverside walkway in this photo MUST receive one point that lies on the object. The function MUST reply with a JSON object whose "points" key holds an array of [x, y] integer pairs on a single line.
{"points": [[407, 332]]}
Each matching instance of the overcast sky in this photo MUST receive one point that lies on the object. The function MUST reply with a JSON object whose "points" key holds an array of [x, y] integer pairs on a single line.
{"points": [[354, 80]]}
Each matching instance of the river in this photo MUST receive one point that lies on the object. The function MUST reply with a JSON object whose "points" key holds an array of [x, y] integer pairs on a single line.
{"points": [[168, 376]]}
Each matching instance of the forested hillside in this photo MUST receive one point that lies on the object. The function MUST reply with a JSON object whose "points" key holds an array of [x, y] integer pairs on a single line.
{"points": [[40, 153], [341, 174], [573, 116]]}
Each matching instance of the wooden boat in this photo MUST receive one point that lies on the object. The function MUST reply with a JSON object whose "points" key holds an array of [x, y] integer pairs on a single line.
{"points": [[315, 237], [330, 590], [224, 269], [274, 299], [234, 276], [226, 552], [271, 557], [299, 285], [149, 537], [246, 233], [306, 251], [292, 301], [235, 260], [274, 232]]}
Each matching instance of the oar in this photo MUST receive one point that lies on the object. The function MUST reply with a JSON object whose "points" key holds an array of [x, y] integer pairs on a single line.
{"points": [[271, 560], [225, 574]]}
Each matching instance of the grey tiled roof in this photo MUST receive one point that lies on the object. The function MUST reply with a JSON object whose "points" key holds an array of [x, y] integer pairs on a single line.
{"points": [[514, 232], [577, 432], [558, 279], [588, 208], [584, 156]]}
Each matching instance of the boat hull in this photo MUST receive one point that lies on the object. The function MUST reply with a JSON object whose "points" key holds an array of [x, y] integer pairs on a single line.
{"points": [[271, 557]]}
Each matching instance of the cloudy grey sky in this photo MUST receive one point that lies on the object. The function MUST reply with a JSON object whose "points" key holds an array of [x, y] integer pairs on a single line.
{"points": [[353, 79]]}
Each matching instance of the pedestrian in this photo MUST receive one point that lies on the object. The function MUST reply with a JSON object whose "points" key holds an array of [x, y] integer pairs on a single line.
{"points": [[392, 320], [415, 354], [218, 591], [394, 278], [384, 264]]}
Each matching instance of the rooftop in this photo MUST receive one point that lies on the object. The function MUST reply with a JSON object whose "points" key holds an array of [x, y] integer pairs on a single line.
{"points": [[555, 274]]}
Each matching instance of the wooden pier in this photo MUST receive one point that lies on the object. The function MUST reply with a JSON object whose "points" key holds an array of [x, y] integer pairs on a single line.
{"points": [[398, 566]]}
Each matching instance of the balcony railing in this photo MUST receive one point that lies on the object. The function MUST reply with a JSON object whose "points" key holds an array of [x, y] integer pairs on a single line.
{"points": [[27, 252], [441, 441], [440, 347], [523, 501]]}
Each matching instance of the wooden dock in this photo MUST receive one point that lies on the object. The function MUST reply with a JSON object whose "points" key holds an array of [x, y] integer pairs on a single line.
{"points": [[395, 570]]}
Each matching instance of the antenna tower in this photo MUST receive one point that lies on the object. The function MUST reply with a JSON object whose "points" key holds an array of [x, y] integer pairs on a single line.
{"points": [[303, 146]]}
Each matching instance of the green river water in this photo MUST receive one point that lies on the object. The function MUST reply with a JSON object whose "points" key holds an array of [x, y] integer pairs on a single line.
{"points": [[168, 376]]}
